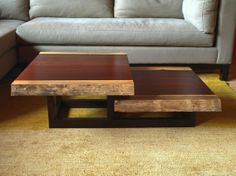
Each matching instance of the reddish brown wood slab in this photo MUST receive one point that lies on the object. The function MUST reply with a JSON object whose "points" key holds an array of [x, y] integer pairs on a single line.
{"points": [[64, 74], [168, 90]]}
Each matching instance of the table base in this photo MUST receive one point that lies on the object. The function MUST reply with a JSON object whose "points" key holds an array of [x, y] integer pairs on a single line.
{"points": [[58, 116]]}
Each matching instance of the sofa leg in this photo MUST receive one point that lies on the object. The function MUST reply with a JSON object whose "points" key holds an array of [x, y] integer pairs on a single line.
{"points": [[224, 72]]}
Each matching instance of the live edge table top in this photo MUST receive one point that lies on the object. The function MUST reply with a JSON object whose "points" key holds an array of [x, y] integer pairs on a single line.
{"points": [[136, 89], [168, 89], [73, 74]]}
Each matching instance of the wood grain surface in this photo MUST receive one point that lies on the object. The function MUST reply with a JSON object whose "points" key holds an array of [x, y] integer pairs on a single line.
{"points": [[172, 103], [168, 82], [72, 88], [75, 74], [168, 90]]}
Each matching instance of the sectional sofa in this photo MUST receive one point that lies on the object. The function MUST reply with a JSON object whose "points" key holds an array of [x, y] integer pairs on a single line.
{"points": [[151, 31]]}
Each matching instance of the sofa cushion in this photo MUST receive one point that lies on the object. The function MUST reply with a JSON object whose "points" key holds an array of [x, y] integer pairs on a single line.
{"points": [[112, 31], [201, 13], [14, 9], [7, 34], [148, 8], [71, 8]]}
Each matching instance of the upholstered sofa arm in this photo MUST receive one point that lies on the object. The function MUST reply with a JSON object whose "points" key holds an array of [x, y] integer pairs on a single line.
{"points": [[226, 31], [202, 14]]}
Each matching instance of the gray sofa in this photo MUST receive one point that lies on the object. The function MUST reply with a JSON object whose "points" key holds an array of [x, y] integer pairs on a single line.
{"points": [[152, 32]]}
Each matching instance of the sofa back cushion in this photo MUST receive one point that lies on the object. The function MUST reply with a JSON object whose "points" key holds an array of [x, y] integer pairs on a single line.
{"points": [[202, 14], [148, 8], [14, 9], [71, 8]]}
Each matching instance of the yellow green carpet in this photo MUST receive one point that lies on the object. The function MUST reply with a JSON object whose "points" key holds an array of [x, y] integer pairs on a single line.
{"points": [[28, 147]]}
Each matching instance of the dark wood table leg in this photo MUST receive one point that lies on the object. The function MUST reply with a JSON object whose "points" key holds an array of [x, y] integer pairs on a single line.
{"points": [[58, 110], [54, 105], [111, 108]]}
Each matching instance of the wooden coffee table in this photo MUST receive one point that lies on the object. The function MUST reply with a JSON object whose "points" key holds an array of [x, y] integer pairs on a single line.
{"points": [[129, 90]]}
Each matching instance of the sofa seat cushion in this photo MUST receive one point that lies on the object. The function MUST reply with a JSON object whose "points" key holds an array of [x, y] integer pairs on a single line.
{"points": [[116, 32], [7, 34]]}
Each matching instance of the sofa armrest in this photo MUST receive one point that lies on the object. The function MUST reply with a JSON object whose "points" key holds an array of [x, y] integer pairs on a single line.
{"points": [[226, 31], [202, 14]]}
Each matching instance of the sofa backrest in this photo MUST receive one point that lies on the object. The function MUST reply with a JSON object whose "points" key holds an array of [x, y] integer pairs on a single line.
{"points": [[14, 9], [148, 8], [71, 8]]}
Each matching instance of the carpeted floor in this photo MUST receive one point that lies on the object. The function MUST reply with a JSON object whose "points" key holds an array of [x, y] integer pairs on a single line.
{"points": [[28, 147]]}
